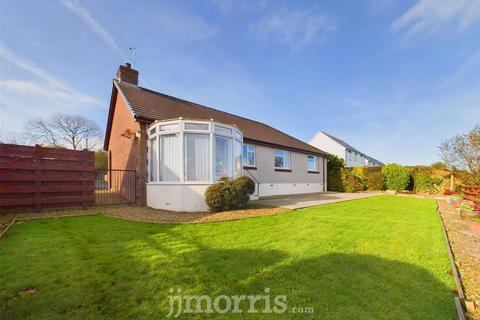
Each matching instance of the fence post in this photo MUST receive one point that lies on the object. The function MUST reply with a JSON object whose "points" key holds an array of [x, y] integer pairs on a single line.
{"points": [[38, 181], [84, 181]]}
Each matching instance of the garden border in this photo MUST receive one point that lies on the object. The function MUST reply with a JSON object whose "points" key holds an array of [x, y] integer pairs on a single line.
{"points": [[456, 275], [4, 231]]}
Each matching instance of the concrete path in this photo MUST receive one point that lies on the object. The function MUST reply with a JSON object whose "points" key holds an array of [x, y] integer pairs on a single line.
{"points": [[298, 201]]}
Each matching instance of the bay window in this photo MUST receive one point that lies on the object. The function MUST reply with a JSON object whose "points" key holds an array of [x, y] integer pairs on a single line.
{"points": [[282, 159], [193, 151], [223, 157], [197, 155]]}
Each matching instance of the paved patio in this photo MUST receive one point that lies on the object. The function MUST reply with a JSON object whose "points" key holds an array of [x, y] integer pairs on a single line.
{"points": [[298, 201]]}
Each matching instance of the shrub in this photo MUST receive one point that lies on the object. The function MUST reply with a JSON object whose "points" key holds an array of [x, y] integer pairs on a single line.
{"points": [[396, 177], [229, 194], [375, 180], [425, 183], [352, 181], [334, 173]]}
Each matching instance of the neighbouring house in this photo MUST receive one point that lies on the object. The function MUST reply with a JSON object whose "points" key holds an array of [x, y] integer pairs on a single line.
{"points": [[333, 145], [179, 148]]}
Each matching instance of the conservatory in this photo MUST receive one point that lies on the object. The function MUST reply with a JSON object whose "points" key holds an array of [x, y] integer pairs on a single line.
{"points": [[185, 157]]}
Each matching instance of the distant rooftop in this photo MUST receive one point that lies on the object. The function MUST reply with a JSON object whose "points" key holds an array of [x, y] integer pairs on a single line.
{"points": [[350, 147]]}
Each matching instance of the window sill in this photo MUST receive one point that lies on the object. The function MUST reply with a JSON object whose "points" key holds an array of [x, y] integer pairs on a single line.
{"points": [[249, 168], [315, 172], [283, 170]]}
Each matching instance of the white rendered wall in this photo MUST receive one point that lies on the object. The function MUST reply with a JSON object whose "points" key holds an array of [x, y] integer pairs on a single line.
{"points": [[353, 161], [177, 197], [325, 143], [275, 189]]}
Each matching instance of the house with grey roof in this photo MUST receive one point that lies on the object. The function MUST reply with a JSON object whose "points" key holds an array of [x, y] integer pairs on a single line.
{"points": [[352, 156]]}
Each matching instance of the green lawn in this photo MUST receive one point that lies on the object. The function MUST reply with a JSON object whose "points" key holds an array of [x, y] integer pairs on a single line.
{"points": [[376, 258]]}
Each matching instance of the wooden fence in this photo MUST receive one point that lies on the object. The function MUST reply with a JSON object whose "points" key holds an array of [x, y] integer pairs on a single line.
{"points": [[38, 177], [471, 193]]}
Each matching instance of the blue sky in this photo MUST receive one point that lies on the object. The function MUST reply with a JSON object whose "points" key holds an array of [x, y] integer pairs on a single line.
{"points": [[392, 78]]}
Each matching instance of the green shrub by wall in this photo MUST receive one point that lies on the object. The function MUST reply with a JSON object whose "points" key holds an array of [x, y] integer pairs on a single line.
{"points": [[229, 194], [334, 173], [375, 180], [426, 184], [352, 180], [396, 177]]}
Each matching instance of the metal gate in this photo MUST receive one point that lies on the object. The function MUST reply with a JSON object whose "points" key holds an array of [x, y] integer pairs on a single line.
{"points": [[114, 186]]}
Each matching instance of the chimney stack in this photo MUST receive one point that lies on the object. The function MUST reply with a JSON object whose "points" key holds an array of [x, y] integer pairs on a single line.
{"points": [[125, 73]]}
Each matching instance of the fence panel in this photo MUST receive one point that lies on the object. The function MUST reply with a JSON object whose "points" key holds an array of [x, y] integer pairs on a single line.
{"points": [[38, 177], [114, 186]]}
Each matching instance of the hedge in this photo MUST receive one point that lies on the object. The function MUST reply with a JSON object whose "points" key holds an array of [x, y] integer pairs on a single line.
{"points": [[335, 166], [396, 177], [426, 184]]}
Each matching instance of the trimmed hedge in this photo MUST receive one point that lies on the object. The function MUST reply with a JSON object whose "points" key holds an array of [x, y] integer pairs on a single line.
{"points": [[426, 184], [229, 194], [375, 180], [353, 180], [335, 166], [396, 177]]}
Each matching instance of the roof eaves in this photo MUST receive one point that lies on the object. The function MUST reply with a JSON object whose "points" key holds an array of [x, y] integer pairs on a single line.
{"points": [[134, 115]]}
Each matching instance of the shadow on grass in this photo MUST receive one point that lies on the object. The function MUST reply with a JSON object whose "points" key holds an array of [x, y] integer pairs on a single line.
{"points": [[337, 285], [127, 275]]}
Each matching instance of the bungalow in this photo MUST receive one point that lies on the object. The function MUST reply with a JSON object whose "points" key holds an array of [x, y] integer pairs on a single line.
{"points": [[178, 148]]}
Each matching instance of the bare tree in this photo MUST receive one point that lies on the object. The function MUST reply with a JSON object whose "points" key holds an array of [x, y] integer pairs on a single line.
{"points": [[463, 152], [15, 137], [71, 131]]}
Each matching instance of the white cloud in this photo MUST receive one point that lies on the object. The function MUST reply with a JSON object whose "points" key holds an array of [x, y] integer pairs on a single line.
{"points": [[84, 14], [50, 87], [296, 29], [427, 16], [469, 64]]}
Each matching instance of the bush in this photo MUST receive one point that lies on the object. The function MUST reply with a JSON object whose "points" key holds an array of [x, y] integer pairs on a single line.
{"points": [[352, 181], [425, 183], [229, 194], [396, 177], [334, 173], [375, 180]]}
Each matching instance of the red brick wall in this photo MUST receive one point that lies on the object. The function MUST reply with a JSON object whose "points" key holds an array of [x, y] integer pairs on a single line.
{"points": [[127, 151]]}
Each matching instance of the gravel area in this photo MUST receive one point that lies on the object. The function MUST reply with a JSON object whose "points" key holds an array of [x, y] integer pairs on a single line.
{"points": [[465, 242], [146, 214]]}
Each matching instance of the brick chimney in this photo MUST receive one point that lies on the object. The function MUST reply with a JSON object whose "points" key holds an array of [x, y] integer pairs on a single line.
{"points": [[125, 73]]}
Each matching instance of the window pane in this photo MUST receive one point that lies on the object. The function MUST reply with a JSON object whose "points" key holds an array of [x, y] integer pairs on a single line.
{"points": [[238, 136], [170, 164], [153, 159], [312, 163], [248, 155], [169, 127], [251, 159], [238, 158], [282, 159], [223, 130], [196, 126], [245, 154], [223, 157], [197, 157]]}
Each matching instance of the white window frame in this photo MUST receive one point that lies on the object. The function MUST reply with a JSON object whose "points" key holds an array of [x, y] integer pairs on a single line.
{"points": [[154, 131], [287, 155], [315, 159], [248, 165]]}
